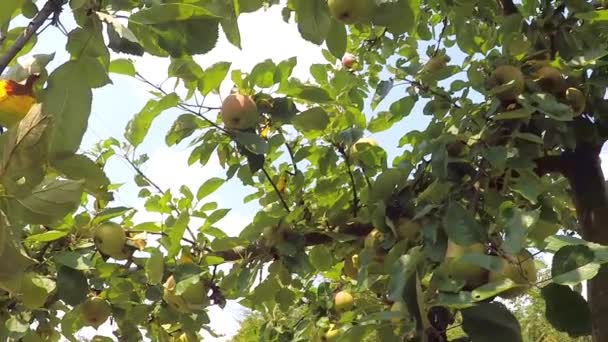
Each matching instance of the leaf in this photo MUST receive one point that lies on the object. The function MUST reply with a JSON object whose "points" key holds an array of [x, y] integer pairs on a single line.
{"points": [[170, 13], [398, 16], [72, 286], [491, 322], [313, 119], [461, 226], [263, 73], [382, 89], [213, 77], [51, 235], [566, 310], [52, 200], [73, 260], [518, 223], [123, 67], [398, 110], [529, 186], [68, 100], [109, 213], [154, 266], [321, 258], [252, 142], [79, 167], [175, 234], [182, 128], [573, 264], [209, 187], [138, 127], [313, 19], [336, 39]]}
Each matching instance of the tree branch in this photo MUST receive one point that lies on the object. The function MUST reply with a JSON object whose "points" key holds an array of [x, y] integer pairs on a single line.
{"points": [[274, 186], [49, 8], [508, 7], [352, 182]]}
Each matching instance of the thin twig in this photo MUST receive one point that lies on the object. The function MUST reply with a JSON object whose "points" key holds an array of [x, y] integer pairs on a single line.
{"points": [[276, 190], [445, 25], [292, 156], [49, 8]]}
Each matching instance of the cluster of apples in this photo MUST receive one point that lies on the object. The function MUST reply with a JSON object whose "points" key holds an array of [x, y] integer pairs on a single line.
{"points": [[508, 82]]}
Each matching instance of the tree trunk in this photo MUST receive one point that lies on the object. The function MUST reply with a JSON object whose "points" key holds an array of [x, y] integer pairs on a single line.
{"points": [[588, 185]]}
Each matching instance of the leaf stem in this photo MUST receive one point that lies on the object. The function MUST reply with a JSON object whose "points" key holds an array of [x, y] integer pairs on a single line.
{"points": [[276, 190]]}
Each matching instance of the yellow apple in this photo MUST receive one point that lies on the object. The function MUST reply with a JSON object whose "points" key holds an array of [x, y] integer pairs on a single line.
{"points": [[351, 11], [110, 239], [521, 270], [239, 112], [343, 301], [331, 334], [95, 311], [509, 77]]}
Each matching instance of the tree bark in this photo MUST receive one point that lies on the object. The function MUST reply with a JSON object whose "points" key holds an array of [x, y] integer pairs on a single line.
{"points": [[587, 181]]}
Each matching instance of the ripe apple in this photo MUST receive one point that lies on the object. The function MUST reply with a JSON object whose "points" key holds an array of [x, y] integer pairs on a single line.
{"points": [[473, 275], [95, 311], [521, 270], [551, 80], [576, 100], [511, 81], [331, 334], [351, 11], [239, 112], [110, 239], [343, 301], [348, 61]]}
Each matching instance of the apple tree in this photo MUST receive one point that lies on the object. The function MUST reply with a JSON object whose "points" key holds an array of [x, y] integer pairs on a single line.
{"points": [[347, 245]]}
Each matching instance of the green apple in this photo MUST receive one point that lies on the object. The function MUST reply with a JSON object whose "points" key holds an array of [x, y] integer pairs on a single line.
{"points": [[94, 311], [551, 80], [521, 270], [351, 11], [351, 266], [331, 334], [408, 229], [510, 80], [239, 112], [343, 301], [110, 239], [473, 275]]}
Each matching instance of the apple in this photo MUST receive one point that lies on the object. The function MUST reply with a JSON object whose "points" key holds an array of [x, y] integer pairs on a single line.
{"points": [[194, 297], [521, 270], [436, 63], [373, 239], [331, 334], [510, 80], [400, 308], [110, 239], [351, 11], [576, 100], [351, 266], [551, 80], [343, 301], [95, 311], [239, 112], [473, 275], [408, 229], [348, 61]]}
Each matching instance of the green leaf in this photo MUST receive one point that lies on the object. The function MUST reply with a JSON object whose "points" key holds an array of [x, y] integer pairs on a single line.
{"points": [[170, 13], [398, 110], [313, 119], [313, 19], [398, 16], [566, 310], [123, 67], [182, 128], [51, 235], [52, 200], [213, 77], [321, 258], [518, 223], [491, 322], [593, 16], [252, 142], [79, 167], [336, 39], [68, 100], [72, 286], [382, 89], [209, 187], [573, 264], [528, 185], [175, 234], [263, 73], [138, 127], [73, 260], [154, 266], [108, 214], [461, 226]]}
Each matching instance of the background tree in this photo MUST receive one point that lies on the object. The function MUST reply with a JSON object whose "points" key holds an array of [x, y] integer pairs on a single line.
{"points": [[353, 245]]}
